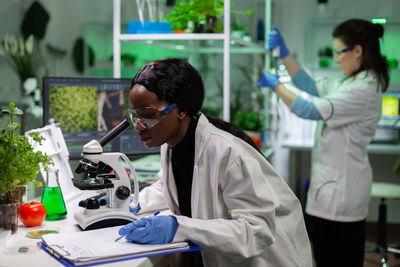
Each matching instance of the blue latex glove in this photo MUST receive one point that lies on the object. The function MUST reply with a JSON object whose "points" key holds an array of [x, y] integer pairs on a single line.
{"points": [[268, 80], [275, 39], [134, 210], [151, 230]]}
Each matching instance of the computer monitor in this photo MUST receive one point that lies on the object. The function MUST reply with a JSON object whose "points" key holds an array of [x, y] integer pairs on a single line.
{"points": [[87, 108], [390, 110]]}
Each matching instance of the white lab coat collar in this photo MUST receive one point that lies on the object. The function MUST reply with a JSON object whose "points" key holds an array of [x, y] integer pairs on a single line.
{"points": [[201, 135]]}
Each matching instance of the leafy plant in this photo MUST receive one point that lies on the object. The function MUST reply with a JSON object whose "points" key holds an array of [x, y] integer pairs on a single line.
{"points": [[240, 26], [197, 11], [248, 120], [181, 15], [208, 7], [19, 164]]}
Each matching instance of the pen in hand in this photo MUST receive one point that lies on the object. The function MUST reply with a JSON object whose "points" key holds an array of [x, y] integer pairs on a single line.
{"points": [[155, 214]]}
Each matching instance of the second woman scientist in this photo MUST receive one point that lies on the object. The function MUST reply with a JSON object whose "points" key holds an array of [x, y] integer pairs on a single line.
{"points": [[347, 109]]}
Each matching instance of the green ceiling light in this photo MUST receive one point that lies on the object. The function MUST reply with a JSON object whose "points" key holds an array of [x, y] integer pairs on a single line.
{"points": [[379, 21]]}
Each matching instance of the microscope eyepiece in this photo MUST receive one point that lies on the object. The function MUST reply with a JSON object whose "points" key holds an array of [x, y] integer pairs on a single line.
{"points": [[114, 132]]}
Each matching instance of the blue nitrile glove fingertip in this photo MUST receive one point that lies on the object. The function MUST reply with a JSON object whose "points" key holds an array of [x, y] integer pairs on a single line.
{"points": [[123, 231], [262, 82], [134, 210], [132, 226], [284, 52]]}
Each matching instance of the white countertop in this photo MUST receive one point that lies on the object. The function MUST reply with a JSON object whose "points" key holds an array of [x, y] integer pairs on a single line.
{"points": [[36, 257]]}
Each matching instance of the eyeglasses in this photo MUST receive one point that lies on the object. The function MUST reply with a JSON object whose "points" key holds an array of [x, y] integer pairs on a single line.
{"points": [[148, 117], [344, 50]]}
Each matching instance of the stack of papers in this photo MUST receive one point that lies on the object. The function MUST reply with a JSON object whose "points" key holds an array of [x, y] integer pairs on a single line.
{"points": [[86, 247]]}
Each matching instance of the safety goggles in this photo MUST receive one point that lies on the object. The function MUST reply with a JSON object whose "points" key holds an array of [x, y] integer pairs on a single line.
{"points": [[344, 50], [148, 117]]}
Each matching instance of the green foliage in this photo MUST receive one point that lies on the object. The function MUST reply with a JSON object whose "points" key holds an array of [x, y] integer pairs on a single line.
{"points": [[248, 120], [19, 164], [75, 109], [208, 7], [196, 11], [181, 15]]}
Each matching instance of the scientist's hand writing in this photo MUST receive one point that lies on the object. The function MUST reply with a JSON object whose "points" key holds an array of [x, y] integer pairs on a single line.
{"points": [[151, 230], [275, 39], [268, 80]]}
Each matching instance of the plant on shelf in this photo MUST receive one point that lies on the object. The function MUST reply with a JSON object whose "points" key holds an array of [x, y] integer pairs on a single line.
{"points": [[238, 25], [182, 15], [249, 120], [204, 15], [19, 163]]}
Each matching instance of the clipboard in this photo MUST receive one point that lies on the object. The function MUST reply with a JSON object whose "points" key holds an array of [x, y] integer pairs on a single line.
{"points": [[67, 263], [96, 247]]}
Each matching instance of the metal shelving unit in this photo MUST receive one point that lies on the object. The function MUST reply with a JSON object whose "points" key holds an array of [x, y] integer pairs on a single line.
{"points": [[118, 37]]}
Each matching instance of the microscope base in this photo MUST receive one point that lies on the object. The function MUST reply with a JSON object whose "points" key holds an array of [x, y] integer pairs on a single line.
{"points": [[103, 219]]}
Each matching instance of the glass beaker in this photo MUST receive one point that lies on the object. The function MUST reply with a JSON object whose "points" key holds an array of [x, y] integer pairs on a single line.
{"points": [[52, 197]]}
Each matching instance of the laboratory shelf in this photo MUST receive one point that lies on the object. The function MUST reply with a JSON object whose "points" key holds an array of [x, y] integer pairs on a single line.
{"points": [[225, 49], [172, 36], [200, 46]]}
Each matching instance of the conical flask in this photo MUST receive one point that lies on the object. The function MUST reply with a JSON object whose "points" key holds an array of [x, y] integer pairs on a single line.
{"points": [[52, 197]]}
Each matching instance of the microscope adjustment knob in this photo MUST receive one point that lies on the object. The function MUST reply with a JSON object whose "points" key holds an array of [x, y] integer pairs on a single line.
{"points": [[92, 203], [123, 192]]}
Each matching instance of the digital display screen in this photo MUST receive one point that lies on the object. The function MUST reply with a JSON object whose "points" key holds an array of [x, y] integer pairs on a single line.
{"points": [[390, 110], [87, 108], [390, 105]]}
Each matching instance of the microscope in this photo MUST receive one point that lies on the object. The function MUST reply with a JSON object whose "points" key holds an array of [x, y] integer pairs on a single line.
{"points": [[105, 171]]}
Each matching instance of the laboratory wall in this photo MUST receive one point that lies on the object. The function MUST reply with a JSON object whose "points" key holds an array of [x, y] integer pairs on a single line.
{"points": [[73, 19]]}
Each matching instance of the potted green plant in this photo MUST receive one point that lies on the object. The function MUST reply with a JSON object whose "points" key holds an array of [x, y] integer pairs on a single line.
{"points": [[181, 15], [19, 165], [203, 14]]}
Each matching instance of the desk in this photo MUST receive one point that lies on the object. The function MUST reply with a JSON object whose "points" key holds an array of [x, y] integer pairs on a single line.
{"points": [[298, 175], [374, 148], [39, 258]]}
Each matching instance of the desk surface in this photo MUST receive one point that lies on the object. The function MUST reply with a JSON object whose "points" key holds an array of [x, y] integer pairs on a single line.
{"points": [[36, 257], [373, 148]]}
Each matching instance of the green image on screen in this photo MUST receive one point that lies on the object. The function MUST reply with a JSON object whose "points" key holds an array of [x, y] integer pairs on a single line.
{"points": [[75, 109], [390, 106]]}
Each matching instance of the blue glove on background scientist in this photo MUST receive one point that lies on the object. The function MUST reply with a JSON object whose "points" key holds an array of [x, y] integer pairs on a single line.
{"points": [[298, 105]]}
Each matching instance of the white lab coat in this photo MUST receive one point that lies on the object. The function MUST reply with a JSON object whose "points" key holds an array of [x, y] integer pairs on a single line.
{"points": [[341, 176], [243, 213]]}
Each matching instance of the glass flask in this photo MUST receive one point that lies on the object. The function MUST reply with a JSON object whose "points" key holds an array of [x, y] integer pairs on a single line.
{"points": [[52, 197]]}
